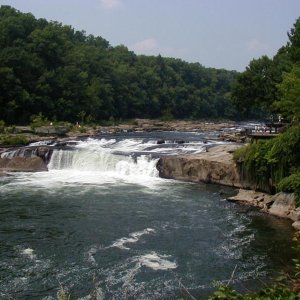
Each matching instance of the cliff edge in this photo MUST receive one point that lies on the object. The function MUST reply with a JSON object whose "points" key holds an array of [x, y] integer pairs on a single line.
{"points": [[214, 166]]}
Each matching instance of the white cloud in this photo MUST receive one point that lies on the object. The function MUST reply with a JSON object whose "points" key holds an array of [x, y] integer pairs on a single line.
{"points": [[255, 45], [174, 52], [111, 4], [150, 46], [145, 45]]}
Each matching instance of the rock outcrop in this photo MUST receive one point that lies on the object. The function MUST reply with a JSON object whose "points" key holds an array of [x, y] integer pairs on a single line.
{"points": [[22, 164], [44, 152], [281, 204], [54, 130], [284, 204], [214, 166], [253, 198]]}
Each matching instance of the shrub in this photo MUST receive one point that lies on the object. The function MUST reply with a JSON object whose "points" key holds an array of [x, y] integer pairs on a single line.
{"points": [[2, 126], [291, 184], [14, 140], [266, 163], [38, 121]]}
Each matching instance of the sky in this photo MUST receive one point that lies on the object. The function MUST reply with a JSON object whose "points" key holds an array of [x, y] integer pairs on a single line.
{"points": [[215, 33]]}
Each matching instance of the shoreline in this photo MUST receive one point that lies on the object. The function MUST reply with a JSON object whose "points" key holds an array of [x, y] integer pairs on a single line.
{"points": [[215, 166]]}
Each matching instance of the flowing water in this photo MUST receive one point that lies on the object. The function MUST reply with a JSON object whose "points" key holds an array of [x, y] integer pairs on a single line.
{"points": [[101, 222]]}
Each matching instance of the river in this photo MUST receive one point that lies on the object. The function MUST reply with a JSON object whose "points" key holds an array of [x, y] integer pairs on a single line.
{"points": [[101, 222]]}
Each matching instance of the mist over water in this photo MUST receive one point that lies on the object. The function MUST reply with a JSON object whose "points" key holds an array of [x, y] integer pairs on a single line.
{"points": [[101, 220]]}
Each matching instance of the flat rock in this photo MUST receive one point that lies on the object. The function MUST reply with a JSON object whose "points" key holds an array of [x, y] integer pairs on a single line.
{"points": [[23, 164], [214, 166], [254, 198]]}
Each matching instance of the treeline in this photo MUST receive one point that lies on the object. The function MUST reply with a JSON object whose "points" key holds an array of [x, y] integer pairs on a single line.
{"points": [[272, 85], [49, 68]]}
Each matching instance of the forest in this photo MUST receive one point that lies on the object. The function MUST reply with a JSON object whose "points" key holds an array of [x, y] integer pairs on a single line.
{"points": [[53, 70], [271, 85], [66, 75]]}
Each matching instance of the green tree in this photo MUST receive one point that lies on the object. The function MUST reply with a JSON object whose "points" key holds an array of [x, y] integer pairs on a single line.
{"points": [[289, 103], [294, 42], [255, 89]]}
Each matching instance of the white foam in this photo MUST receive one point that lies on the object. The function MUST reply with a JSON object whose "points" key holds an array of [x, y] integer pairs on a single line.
{"points": [[91, 253], [156, 262], [41, 143], [133, 238], [29, 253]]}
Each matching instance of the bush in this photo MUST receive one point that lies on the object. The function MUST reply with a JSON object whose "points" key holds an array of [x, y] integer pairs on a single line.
{"points": [[38, 121], [2, 126], [276, 292], [14, 140], [291, 184], [266, 163]]}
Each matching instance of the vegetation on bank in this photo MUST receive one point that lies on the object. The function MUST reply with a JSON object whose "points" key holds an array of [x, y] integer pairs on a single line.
{"points": [[272, 85], [273, 165], [286, 286]]}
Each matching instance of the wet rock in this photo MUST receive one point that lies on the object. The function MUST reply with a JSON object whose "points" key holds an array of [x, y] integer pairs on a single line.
{"points": [[280, 205], [22, 164], [159, 142], [253, 198], [44, 153]]}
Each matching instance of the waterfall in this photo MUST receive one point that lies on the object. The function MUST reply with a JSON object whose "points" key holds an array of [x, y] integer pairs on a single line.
{"points": [[103, 160]]}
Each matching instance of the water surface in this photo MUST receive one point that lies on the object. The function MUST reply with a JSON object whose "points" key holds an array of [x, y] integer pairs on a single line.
{"points": [[102, 221]]}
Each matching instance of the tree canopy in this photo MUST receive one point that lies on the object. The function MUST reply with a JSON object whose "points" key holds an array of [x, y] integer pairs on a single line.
{"points": [[271, 85], [64, 74]]}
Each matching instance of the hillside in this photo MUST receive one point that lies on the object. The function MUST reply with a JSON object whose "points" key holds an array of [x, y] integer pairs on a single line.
{"points": [[67, 75]]}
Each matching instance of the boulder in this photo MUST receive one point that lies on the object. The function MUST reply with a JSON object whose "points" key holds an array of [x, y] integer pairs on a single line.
{"points": [[44, 153], [55, 130], [284, 204], [22, 164], [296, 225], [23, 129], [295, 214], [250, 197], [159, 142]]}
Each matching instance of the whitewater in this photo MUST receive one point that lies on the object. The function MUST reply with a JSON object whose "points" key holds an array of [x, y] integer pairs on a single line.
{"points": [[101, 221]]}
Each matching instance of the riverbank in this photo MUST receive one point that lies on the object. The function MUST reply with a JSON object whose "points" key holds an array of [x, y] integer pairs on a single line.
{"points": [[215, 165], [20, 135], [218, 166]]}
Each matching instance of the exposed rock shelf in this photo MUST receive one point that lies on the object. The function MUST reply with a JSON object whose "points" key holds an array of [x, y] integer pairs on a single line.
{"points": [[217, 166], [281, 204], [214, 166], [22, 164]]}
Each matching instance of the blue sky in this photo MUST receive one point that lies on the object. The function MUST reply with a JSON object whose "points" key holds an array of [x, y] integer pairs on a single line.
{"points": [[216, 33]]}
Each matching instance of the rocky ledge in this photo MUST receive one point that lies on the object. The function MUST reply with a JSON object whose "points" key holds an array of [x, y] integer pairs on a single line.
{"points": [[22, 164], [25, 159], [281, 204], [216, 165]]}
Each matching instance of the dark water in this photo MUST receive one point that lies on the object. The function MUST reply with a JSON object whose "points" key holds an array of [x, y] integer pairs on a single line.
{"points": [[106, 224]]}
